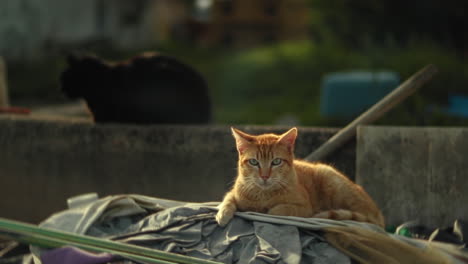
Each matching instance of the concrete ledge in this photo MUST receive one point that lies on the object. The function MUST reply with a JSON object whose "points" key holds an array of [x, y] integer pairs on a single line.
{"points": [[415, 173], [45, 161]]}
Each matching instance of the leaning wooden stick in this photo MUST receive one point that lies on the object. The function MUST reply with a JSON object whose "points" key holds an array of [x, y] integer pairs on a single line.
{"points": [[388, 102]]}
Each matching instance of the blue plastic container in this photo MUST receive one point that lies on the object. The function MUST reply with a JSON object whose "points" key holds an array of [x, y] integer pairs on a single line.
{"points": [[458, 105], [345, 95]]}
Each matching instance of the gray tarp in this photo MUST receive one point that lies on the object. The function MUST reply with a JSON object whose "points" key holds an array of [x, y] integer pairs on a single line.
{"points": [[190, 229]]}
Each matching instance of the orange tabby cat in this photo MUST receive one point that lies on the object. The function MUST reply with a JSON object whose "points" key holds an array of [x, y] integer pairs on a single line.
{"points": [[271, 181]]}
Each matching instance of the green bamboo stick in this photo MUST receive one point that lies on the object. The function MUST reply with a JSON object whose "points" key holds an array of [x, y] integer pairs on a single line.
{"points": [[28, 230], [48, 242]]}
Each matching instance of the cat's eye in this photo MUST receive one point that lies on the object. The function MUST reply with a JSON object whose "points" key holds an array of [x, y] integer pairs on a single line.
{"points": [[276, 162], [253, 162]]}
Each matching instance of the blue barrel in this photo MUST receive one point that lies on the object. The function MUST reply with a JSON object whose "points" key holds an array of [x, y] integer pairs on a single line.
{"points": [[345, 95], [458, 105]]}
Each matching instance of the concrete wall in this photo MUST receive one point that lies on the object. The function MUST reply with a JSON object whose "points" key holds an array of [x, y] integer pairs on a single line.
{"points": [[45, 161], [415, 173]]}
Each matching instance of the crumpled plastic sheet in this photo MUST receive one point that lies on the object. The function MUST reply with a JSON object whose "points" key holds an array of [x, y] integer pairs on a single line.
{"points": [[190, 229]]}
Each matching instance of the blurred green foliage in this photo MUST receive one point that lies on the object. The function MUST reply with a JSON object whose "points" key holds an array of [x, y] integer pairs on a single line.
{"points": [[263, 84], [260, 85], [35, 82], [356, 22]]}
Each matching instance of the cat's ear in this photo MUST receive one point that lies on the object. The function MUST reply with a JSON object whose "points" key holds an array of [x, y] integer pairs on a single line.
{"points": [[243, 140], [289, 138]]}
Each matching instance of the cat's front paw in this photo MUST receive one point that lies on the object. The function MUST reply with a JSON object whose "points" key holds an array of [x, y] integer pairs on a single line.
{"points": [[224, 215]]}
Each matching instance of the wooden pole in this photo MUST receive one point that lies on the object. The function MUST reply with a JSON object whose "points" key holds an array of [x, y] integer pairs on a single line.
{"points": [[4, 102], [377, 110]]}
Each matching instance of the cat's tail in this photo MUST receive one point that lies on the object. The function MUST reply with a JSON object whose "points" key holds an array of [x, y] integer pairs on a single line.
{"points": [[343, 214]]}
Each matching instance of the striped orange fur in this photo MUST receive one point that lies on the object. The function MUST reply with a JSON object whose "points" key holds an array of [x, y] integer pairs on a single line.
{"points": [[270, 180]]}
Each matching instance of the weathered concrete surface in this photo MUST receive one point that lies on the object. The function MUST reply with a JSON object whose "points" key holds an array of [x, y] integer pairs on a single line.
{"points": [[43, 162], [415, 173]]}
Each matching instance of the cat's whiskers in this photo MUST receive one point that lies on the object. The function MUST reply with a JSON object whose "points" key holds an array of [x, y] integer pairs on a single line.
{"points": [[279, 183], [251, 193], [231, 182], [248, 184]]}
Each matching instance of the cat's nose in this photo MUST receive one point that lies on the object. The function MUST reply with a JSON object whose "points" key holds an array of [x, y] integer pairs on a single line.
{"points": [[265, 177]]}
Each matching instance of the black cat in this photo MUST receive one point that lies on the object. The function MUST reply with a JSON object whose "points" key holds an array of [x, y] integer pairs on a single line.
{"points": [[147, 89]]}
